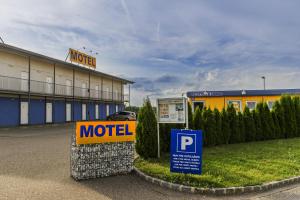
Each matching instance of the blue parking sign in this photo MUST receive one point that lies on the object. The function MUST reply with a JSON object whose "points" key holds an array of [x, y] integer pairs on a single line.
{"points": [[186, 151]]}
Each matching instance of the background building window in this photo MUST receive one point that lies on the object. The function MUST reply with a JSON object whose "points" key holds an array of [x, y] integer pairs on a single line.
{"points": [[270, 104], [251, 105], [199, 104], [236, 104]]}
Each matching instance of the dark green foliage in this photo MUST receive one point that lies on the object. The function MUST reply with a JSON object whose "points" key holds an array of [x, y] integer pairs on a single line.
{"points": [[219, 134], [267, 122], [198, 120], [289, 116], [259, 133], [250, 130], [234, 125], [165, 137], [241, 127], [209, 128], [277, 128], [270, 121], [279, 112], [296, 102], [146, 131], [225, 127]]}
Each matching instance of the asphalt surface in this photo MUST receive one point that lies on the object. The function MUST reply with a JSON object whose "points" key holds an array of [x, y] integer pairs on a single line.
{"points": [[34, 164]]}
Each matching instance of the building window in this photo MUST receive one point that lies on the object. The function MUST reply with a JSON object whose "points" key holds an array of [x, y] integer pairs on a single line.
{"points": [[251, 105], [199, 104], [117, 108], [270, 104], [236, 104]]}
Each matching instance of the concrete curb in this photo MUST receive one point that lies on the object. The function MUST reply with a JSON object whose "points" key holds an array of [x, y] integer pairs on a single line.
{"points": [[218, 191]]}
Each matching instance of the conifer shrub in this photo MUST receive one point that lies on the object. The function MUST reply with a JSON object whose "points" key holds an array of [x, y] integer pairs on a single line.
{"points": [[146, 131]]}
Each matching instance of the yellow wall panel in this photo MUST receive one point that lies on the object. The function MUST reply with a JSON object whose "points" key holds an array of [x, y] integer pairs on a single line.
{"points": [[220, 102]]}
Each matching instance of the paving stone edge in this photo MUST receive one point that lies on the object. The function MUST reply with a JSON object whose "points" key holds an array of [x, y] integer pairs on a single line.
{"points": [[217, 191]]}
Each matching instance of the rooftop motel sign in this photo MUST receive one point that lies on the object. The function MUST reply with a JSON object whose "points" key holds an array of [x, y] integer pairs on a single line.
{"points": [[93, 132], [82, 58]]}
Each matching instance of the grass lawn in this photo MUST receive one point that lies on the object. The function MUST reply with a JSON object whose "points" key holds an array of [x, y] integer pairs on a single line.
{"points": [[234, 165]]}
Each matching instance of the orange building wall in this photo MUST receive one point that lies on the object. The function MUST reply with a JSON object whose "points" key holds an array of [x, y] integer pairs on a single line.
{"points": [[221, 102]]}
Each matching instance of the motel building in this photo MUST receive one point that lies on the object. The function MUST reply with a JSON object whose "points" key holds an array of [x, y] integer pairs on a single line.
{"points": [[37, 89], [239, 98]]}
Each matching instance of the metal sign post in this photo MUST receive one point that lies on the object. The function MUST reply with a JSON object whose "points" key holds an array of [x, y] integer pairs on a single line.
{"points": [[186, 114], [171, 110]]}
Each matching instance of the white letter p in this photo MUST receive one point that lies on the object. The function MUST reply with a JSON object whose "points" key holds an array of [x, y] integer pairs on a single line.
{"points": [[185, 141]]}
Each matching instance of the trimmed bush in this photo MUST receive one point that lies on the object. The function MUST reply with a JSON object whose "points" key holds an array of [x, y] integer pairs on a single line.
{"points": [[250, 130], [209, 128], [198, 120], [234, 125], [296, 102], [277, 129], [278, 110], [259, 133], [241, 127], [146, 140], [225, 127], [219, 134]]}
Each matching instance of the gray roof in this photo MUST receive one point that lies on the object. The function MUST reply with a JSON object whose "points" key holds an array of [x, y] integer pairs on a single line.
{"points": [[20, 51], [272, 92]]}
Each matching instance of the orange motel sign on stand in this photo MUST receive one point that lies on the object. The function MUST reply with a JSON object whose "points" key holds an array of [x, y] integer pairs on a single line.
{"points": [[93, 132]]}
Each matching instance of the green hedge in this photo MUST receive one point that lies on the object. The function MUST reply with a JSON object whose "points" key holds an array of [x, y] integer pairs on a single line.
{"points": [[228, 126]]}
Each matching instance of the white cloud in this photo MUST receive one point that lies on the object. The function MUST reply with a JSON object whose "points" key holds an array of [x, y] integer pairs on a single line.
{"points": [[210, 45]]}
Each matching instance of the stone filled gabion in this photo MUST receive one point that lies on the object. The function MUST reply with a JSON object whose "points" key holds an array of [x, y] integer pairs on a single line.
{"points": [[100, 160]]}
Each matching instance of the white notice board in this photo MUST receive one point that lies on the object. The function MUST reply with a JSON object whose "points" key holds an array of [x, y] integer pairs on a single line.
{"points": [[171, 110]]}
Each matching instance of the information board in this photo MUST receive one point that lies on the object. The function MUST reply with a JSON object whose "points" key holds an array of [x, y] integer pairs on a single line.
{"points": [[186, 151], [171, 110]]}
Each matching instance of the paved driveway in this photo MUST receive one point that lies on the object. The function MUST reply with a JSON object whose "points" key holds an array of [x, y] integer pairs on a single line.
{"points": [[34, 164]]}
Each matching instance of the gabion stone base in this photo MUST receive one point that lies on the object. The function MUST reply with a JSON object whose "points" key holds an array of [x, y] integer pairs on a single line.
{"points": [[100, 160]]}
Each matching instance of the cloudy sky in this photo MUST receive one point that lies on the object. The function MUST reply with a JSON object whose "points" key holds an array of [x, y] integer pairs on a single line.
{"points": [[167, 46]]}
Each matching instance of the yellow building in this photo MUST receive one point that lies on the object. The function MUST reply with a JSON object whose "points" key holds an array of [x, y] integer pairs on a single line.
{"points": [[239, 98]]}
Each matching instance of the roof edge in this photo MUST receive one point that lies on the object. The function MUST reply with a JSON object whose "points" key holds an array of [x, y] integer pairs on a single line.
{"points": [[57, 61]]}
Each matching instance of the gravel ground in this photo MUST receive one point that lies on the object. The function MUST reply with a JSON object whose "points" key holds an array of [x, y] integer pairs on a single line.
{"points": [[35, 164]]}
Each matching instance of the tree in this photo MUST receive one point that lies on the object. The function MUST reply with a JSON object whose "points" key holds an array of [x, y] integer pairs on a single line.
{"points": [[296, 101], [146, 144], [219, 134], [241, 127], [209, 128], [278, 110], [250, 130], [165, 137], [289, 116], [259, 133], [277, 129], [225, 126], [267, 123], [198, 120], [233, 123]]}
